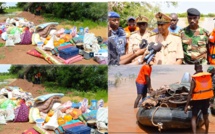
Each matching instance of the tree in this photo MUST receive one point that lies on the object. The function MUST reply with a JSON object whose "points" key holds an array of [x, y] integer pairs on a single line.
{"points": [[2, 7], [85, 78], [148, 9], [74, 11]]}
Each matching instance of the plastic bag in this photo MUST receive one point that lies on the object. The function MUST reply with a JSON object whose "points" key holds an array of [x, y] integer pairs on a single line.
{"points": [[50, 44], [52, 124], [26, 37], [10, 113], [34, 114], [91, 42], [100, 103], [102, 118], [9, 42], [17, 37], [6, 103], [21, 113], [4, 35], [84, 105], [35, 38]]}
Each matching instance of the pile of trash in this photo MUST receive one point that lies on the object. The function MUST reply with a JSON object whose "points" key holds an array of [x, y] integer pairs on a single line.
{"points": [[49, 113], [56, 46]]}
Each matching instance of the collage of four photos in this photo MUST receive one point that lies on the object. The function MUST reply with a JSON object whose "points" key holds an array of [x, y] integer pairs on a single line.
{"points": [[107, 67]]}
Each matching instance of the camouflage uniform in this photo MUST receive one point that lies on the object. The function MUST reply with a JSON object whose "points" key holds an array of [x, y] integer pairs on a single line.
{"points": [[194, 43]]}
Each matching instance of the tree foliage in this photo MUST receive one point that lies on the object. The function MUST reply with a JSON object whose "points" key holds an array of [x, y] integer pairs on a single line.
{"points": [[85, 78], [1, 7], [74, 11], [148, 9]]}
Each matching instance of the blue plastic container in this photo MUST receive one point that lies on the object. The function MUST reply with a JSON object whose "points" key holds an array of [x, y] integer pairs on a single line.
{"points": [[68, 52], [93, 104], [82, 129]]}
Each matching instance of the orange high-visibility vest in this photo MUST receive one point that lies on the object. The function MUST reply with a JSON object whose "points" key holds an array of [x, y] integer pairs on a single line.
{"points": [[203, 89], [128, 32], [211, 56]]}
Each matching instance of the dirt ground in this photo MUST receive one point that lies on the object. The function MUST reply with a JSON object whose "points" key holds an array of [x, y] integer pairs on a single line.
{"points": [[35, 90], [122, 115], [18, 54]]}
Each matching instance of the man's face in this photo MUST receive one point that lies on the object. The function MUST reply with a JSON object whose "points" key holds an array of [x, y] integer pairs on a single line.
{"points": [[193, 20], [142, 25], [114, 23], [174, 21], [131, 23], [163, 28]]}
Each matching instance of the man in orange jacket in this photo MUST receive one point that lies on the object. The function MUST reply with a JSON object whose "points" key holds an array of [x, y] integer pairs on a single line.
{"points": [[143, 82], [200, 93], [131, 26]]}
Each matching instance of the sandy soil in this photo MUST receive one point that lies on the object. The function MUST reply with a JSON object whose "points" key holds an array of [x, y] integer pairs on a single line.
{"points": [[18, 54], [122, 115]]}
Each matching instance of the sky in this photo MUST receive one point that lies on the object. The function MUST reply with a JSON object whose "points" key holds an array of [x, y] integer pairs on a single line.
{"points": [[203, 7], [11, 3], [4, 68]]}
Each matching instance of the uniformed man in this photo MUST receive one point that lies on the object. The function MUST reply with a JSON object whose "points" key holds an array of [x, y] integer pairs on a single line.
{"points": [[171, 51], [194, 39], [116, 39], [137, 37], [173, 28]]}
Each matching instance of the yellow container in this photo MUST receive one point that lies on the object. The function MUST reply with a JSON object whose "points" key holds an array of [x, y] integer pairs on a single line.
{"points": [[67, 118], [56, 43], [61, 41], [47, 118], [61, 121]]}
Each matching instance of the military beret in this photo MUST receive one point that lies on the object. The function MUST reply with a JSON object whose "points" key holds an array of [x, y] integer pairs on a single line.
{"points": [[210, 69], [162, 18], [113, 15], [193, 12], [142, 19]]}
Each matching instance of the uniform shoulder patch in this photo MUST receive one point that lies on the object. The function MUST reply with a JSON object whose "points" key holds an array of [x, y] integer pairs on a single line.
{"points": [[176, 34], [153, 33]]}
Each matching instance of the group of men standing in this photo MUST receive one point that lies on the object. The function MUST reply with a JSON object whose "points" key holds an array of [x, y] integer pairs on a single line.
{"points": [[179, 45]]}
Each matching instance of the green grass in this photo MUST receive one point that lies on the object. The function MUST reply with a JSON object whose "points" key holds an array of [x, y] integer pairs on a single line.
{"points": [[1, 44], [53, 88], [85, 23], [7, 76], [100, 94], [11, 10]]}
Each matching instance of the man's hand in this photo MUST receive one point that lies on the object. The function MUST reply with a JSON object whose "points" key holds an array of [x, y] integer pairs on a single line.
{"points": [[193, 57], [140, 52]]}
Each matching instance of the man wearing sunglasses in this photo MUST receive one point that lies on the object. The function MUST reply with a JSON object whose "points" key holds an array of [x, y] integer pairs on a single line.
{"points": [[171, 51], [194, 39]]}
